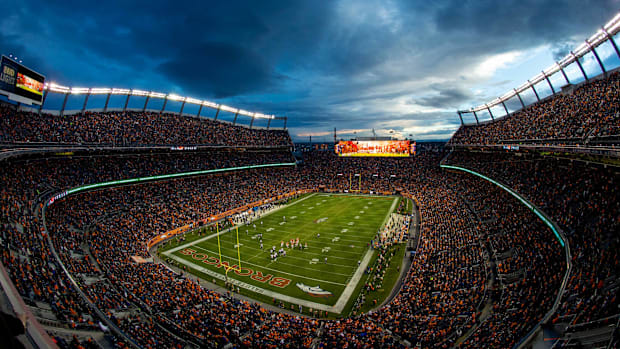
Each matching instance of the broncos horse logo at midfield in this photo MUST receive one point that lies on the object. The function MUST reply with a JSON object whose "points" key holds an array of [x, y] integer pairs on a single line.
{"points": [[316, 291]]}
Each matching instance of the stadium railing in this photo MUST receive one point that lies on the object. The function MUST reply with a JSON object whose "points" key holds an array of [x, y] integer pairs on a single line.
{"points": [[35, 333], [558, 233]]}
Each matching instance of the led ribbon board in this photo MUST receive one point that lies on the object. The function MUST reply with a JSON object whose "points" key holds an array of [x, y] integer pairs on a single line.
{"points": [[516, 195], [160, 177]]}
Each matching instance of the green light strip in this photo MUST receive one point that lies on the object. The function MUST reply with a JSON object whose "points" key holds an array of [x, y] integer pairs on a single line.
{"points": [[168, 176], [516, 195]]}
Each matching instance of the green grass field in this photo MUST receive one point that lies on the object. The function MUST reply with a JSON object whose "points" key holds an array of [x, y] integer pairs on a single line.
{"points": [[336, 227]]}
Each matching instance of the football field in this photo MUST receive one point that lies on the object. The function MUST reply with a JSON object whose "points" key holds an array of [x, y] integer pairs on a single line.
{"points": [[337, 229]]}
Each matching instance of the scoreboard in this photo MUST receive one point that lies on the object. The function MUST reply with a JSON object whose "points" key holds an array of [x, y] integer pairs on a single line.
{"points": [[375, 148], [19, 83]]}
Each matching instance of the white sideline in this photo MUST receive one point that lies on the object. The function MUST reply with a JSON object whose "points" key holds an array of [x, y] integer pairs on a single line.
{"points": [[336, 308], [172, 250]]}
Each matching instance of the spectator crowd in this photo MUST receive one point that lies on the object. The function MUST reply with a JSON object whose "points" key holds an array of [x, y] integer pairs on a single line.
{"points": [[486, 270], [96, 233], [130, 129], [588, 115], [583, 200]]}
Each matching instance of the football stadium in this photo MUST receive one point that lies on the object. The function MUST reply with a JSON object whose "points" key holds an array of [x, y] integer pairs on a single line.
{"points": [[260, 179]]}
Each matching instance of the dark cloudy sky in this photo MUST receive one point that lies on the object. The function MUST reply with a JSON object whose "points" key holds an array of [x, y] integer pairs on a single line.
{"points": [[395, 66]]}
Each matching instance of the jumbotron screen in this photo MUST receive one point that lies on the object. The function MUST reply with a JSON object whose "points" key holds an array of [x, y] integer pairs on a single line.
{"points": [[375, 148], [21, 83]]}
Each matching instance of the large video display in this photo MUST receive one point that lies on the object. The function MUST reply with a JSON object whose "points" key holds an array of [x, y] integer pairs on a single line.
{"points": [[18, 81], [374, 148]]}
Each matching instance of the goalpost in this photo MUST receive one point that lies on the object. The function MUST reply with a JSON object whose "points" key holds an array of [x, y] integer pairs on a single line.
{"points": [[238, 245], [359, 189]]}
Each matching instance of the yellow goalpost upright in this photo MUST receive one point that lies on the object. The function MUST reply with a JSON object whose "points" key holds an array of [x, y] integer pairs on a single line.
{"points": [[219, 248]]}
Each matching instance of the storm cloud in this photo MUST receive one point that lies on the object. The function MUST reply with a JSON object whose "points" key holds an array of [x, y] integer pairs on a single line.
{"points": [[403, 66]]}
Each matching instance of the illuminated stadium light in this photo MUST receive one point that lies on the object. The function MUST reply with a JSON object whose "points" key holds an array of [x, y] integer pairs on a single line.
{"points": [[53, 87], [157, 94], [139, 93], [100, 91], [210, 104], [174, 97], [79, 90], [57, 88], [192, 100], [228, 109], [263, 116]]}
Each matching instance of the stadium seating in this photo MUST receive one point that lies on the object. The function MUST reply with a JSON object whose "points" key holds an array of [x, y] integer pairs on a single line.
{"points": [[484, 273], [129, 129], [436, 310], [589, 115], [582, 198]]}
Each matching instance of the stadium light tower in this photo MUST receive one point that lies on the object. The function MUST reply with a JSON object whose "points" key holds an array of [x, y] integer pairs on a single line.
{"points": [[216, 114], [520, 99], [85, 100], [563, 72], [490, 113], [611, 40], [579, 65], [598, 59], [505, 108], [548, 81], [606, 33], [533, 89], [182, 106]]}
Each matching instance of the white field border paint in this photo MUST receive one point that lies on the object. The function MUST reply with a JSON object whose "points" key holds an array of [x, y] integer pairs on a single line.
{"points": [[192, 243], [336, 308]]}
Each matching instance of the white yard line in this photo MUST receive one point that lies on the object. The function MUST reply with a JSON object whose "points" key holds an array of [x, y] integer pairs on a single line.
{"points": [[349, 233], [301, 259], [275, 270], [348, 291], [390, 212], [307, 251], [280, 262], [227, 230], [256, 289], [314, 237], [340, 303]]}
